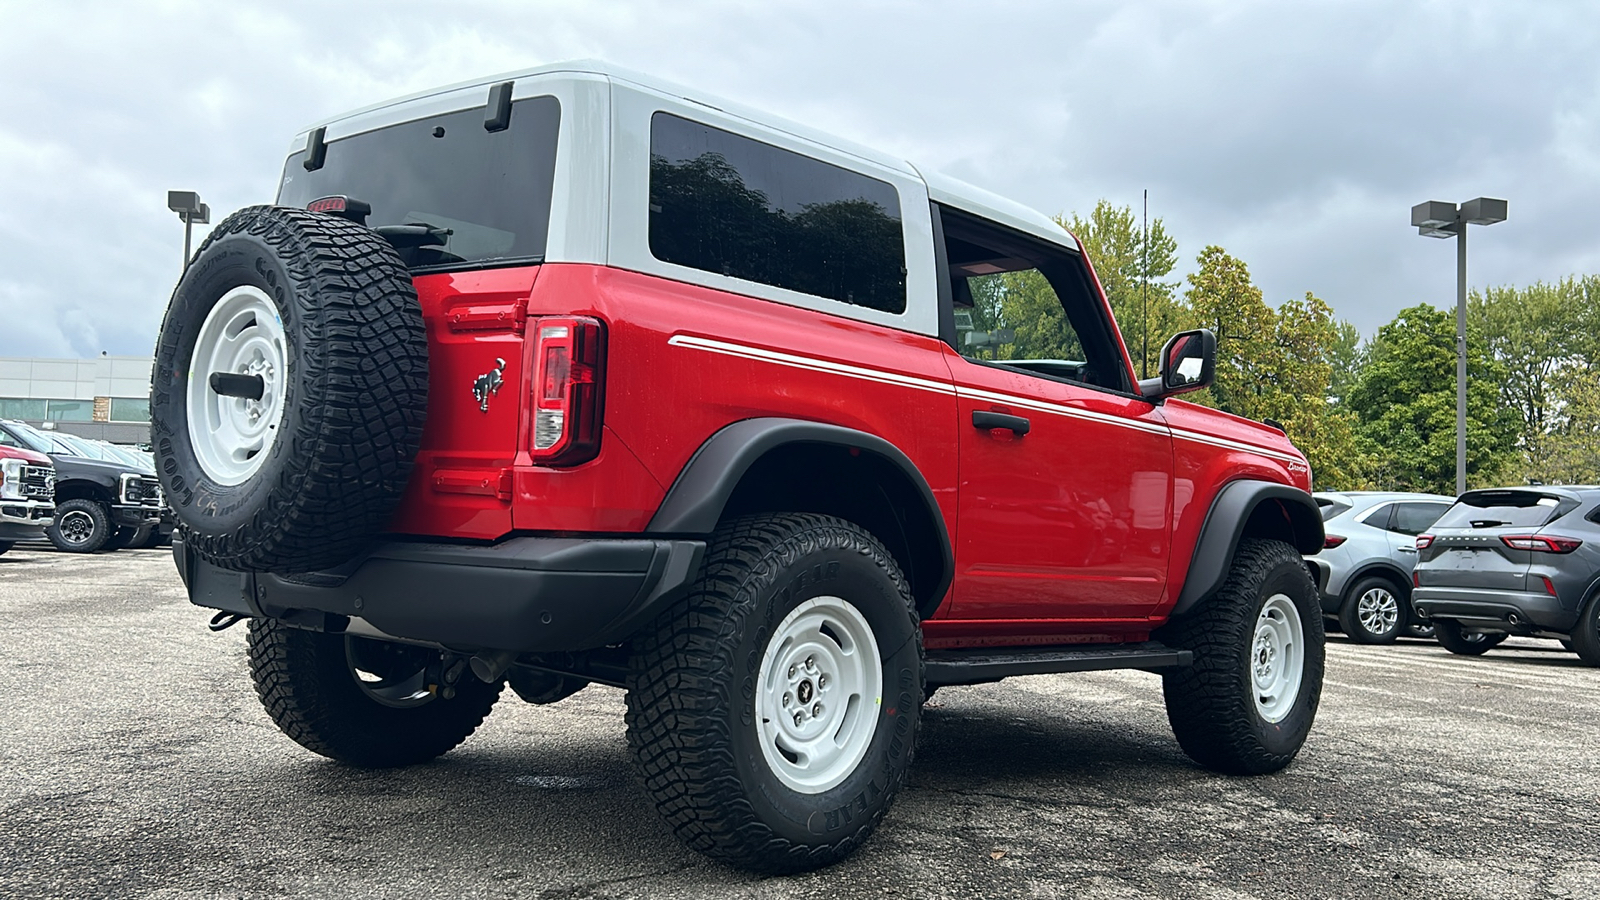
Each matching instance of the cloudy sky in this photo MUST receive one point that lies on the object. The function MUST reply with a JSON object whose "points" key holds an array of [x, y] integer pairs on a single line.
{"points": [[1296, 135]]}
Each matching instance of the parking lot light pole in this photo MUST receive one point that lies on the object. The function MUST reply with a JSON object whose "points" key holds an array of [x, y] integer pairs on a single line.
{"points": [[191, 212], [1438, 219]]}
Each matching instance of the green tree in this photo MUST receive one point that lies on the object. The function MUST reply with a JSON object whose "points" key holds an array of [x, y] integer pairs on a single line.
{"points": [[1222, 298], [1533, 333], [1346, 358], [1572, 449], [1126, 264], [1406, 401]]}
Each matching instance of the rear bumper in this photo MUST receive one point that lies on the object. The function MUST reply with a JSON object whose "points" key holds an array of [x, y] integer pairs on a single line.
{"points": [[25, 520], [1320, 573], [527, 594], [1492, 609]]}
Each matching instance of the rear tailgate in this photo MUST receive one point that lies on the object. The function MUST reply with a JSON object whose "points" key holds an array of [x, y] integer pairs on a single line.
{"points": [[1469, 546]]}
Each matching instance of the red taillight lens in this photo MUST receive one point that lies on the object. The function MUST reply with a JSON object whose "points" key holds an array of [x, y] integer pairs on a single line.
{"points": [[569, 370], [1549, 587], [1416, 578], [1331, 541], [1541, 543], [1424, 541]]}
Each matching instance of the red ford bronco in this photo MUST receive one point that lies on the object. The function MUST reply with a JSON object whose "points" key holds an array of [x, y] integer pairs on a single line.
{"points": [[570, 376]]}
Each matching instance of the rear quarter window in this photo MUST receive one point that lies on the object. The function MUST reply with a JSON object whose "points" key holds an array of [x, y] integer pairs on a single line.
{"points": [[724, 203], [1330, 508]]}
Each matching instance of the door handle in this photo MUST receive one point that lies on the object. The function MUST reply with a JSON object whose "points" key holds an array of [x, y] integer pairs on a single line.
{"points": [[1407, 549], [985, 419]]}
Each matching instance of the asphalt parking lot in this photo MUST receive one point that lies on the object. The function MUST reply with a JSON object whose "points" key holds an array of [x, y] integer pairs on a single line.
{"points": [[137, 763]]}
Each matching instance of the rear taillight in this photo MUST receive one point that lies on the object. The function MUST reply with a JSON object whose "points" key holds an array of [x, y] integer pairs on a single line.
{"points": [[568, 385], [1424, 541], [1416, 578], [1549, 586], [1331, 541], [1541, 543]]}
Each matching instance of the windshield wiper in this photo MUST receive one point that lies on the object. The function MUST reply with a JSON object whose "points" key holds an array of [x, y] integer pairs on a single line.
{"points": [[1488, 523], [414, 234]]}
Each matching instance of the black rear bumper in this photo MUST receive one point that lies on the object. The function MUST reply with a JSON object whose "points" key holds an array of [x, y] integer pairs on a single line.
{"points": [[527, 594]]}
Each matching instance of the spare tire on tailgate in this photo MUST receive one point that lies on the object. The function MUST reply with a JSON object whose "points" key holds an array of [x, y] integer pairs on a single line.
{"points": [[289, 390]]}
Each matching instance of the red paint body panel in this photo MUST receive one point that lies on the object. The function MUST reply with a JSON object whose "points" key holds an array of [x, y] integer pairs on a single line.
{"points": [[1078, 532], [1071, 519]]}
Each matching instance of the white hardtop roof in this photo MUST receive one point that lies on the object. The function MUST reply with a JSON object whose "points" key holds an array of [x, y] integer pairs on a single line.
{"points": [[941, 188]]}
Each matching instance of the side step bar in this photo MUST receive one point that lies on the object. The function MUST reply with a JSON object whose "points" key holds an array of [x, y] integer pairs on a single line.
{"points": [[985, 665]]}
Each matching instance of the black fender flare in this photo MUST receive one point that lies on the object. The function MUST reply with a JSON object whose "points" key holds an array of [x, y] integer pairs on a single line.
{"points": [[696, 500], [1225, 525]]}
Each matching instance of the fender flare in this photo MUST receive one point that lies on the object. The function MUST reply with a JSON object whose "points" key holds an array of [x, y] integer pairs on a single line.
{"points": [[694, 503], [1224, 527], [1399, 575]]}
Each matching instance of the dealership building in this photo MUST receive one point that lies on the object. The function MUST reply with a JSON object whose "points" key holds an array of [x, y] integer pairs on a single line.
{"points": [[106, 398]]}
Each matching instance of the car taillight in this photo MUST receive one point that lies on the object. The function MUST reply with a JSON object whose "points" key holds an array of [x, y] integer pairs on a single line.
{"points": [[568, 385], [1549, 586], [1331, 541], [1416, 578], [1541, 543], [1424, 541]]}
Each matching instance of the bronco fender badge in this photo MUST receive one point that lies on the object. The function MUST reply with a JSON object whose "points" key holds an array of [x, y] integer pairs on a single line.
{"points": [[488, 384]]}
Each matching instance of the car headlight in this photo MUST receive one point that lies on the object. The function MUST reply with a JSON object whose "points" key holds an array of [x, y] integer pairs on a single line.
{"points": [[11, 479]]}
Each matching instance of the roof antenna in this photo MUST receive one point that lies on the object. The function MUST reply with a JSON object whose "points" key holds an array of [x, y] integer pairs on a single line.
{"points": [[1144, 352]]}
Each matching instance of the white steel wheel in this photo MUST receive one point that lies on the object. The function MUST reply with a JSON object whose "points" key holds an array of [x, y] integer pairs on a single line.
{"points": [[1378, 610], [1277, 658], [817, 694], [242, 335]]}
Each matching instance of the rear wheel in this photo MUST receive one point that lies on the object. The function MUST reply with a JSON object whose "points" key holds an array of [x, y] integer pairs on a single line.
{"points": [[359, 701], [80, 526], [1586, 635], [773, 712], [1247, 703], [1373, 611], [1460, 641]]}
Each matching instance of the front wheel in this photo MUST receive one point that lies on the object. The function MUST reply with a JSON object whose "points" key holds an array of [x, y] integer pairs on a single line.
{"points": [[360, 701], [773, 711], [80, 526], [1450, 634], [1247, 703]]}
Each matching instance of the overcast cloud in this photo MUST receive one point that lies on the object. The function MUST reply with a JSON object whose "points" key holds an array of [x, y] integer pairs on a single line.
{"points": [[1296, 135]]}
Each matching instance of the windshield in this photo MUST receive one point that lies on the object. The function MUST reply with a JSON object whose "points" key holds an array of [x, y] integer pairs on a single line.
{"points": [[481, 197], [1494, 509], [33, 440]]}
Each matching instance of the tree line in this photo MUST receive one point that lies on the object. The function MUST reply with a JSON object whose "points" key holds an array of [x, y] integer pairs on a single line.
{"points": [[1379, 413]]}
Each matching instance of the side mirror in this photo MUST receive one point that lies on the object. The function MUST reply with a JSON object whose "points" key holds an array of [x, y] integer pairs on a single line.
{"points": [[1188, 363]]}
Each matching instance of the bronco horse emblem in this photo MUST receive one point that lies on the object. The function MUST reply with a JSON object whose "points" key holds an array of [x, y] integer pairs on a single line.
{"points": [[488, 384]]}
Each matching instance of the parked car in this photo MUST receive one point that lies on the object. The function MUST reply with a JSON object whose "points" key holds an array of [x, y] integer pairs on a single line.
{"points": [[1364, 570], [95, 497], [707, 395], [27, 495], [1523, 560]]}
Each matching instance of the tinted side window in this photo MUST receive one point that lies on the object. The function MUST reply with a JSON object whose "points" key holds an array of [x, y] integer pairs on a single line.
{"points": [[1380, 517], [724, 203], [1415, 518], [1330, 508], [485, 194]]}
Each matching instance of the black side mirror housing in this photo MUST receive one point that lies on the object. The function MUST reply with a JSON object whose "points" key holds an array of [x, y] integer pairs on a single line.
{"points": [[1188, 363]]}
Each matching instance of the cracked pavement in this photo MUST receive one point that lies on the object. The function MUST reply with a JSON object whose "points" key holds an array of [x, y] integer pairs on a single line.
{"points": [[137, 763]]}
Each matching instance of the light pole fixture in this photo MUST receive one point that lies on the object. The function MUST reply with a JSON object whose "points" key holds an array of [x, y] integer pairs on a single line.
{"points": [[191, 212], [1438, 219]]}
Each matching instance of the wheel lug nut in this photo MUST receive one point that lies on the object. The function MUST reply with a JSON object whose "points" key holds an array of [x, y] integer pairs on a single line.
{"points": [[787, 698], [811, 662], [799, 718], [822, 681], [816, 710], [792, 671]]}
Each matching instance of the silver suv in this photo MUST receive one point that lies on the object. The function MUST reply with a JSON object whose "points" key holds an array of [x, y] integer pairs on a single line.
{"points": [[1514, 561], [1364, 569]]}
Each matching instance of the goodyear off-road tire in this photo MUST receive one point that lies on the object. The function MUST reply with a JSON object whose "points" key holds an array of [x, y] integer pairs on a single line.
{"points": [[321, 311], [306, 681], [707, 674], [1451, 636], [1585, 639], [80, 526], [1374, 611], [1218, 709]]}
